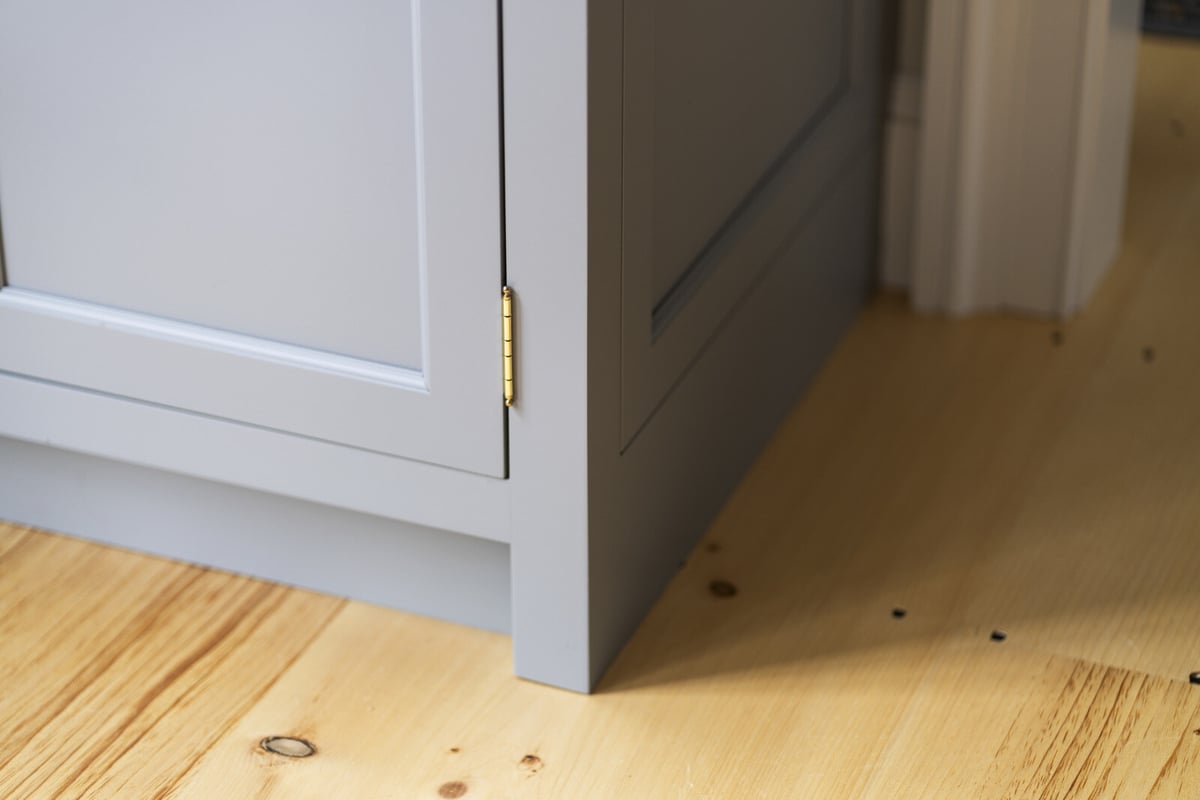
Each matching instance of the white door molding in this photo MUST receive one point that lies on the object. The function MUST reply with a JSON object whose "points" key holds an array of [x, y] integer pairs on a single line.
{"points": [[1021, 164]]}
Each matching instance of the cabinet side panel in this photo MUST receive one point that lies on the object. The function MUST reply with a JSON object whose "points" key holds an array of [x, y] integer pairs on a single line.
{"points": [[720, 170], [549, 48], [652, 502], [735, 82], [802, 284]]}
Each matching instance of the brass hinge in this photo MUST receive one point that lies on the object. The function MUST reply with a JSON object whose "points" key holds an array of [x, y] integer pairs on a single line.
{"points": [[506, 308]]}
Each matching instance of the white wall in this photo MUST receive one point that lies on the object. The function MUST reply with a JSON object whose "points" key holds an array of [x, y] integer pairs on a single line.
{"points": [[1103, 158], [1017, 184]]}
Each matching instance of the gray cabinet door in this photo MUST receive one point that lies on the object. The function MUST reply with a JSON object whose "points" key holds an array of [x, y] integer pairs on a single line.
{"points": [[285, 214], [741, 117]]}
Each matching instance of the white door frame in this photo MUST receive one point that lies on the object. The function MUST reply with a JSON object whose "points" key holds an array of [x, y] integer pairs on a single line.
{"points": [[1023, 151]]}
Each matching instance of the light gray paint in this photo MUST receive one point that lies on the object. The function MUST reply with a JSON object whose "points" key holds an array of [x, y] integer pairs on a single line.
{"points": [[662, 335], [252, 167], [597, 532], [201, 223], [694, 75], [548, 129], [804, 260], [595, 526], [459, 578], [655, 500], [279, 463]]}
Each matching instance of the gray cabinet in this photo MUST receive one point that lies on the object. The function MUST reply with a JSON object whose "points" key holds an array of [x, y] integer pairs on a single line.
{"points": [[255, 212], [253, 257]]}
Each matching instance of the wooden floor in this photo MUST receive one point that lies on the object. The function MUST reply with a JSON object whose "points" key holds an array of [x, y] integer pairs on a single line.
{"points": [[984, 475]]}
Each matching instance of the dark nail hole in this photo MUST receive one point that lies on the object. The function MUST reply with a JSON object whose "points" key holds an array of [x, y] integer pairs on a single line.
{"points": [[722, 588], [452, 789], [1197, 731], [713, 547], [1194, 678], [454, 750], [1056, 337], [531, 762], [999, 636], [899, 613], [287, 746], [1147, 354]]}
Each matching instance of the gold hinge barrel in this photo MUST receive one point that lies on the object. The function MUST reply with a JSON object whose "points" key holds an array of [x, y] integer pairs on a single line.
{"points": [[506, 306]]}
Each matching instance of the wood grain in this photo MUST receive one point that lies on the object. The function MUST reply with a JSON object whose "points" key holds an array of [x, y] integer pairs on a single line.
{"points": [[121, 669], [1036, 478]]}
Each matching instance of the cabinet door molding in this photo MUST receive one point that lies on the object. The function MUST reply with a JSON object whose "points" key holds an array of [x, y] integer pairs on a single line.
{"points": [[286, 215]]}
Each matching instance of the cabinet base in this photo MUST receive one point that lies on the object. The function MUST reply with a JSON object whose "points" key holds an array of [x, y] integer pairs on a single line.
{"points": [[451, 576]]}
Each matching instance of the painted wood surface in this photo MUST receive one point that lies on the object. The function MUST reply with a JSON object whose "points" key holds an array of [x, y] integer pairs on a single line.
{"points": [[1022, 476], [391, 562], [253, 168], [571, 511], [1026, 114], [791, 278], [716, 96], [1102, 158], [902, 138], [596, 531], [792, 95], [556, 57], [258, 214], [254, 458]]}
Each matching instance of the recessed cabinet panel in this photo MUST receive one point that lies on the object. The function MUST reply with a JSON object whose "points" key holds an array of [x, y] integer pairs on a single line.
{"points": [[280, 213], [250, 166], [739, 117], [735, 82]]}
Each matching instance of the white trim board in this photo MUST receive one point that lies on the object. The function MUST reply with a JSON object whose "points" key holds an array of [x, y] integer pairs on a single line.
{"points": [[1023, 149], [901, 140]]}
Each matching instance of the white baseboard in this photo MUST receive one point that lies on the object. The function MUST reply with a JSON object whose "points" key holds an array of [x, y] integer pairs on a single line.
{"points": [[901, 140]]}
